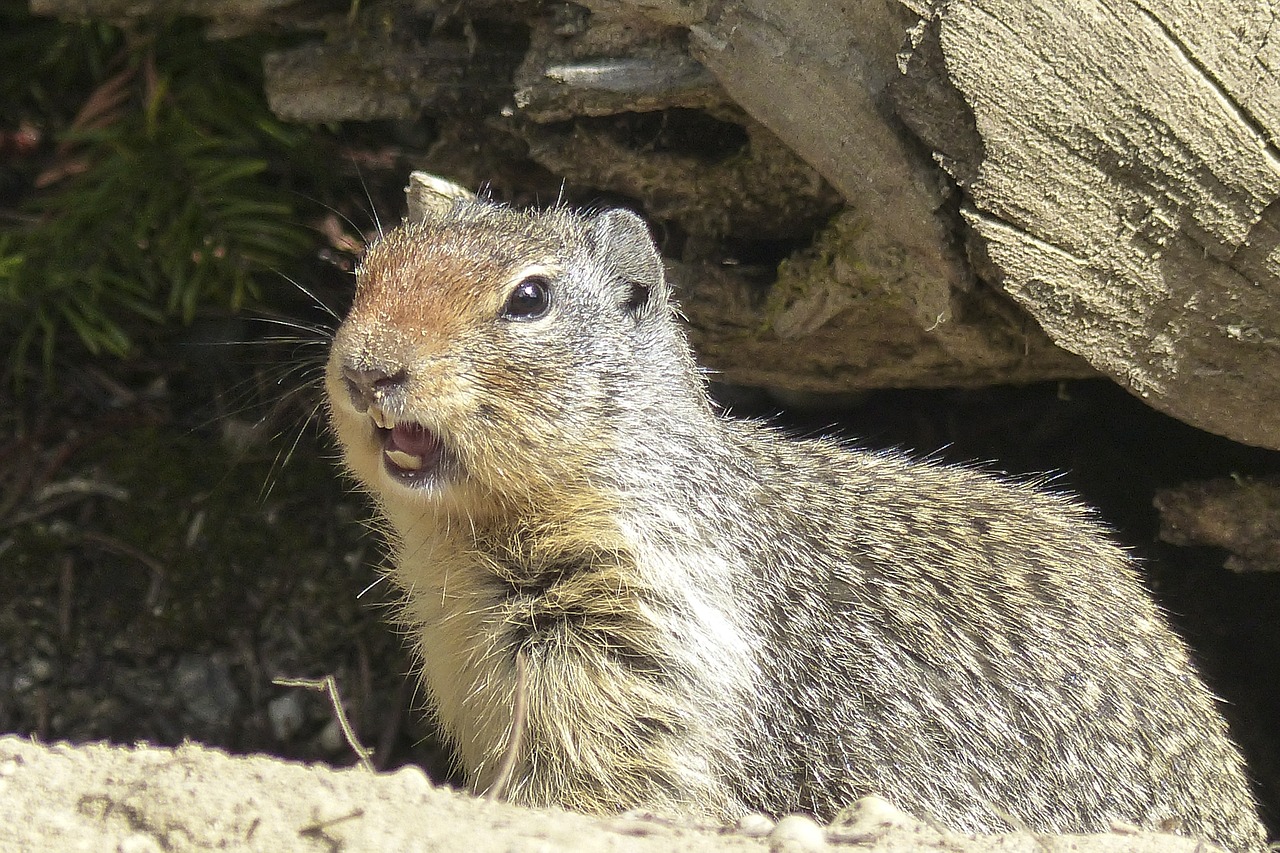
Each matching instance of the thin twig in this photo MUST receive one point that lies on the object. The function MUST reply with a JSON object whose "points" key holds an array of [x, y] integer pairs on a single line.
{"points": [[124, 549], [66, 596], [321, 825], [20, 483], [328, 685]]}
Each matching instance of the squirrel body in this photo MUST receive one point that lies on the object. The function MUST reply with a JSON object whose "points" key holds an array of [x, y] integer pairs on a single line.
{"points": [[704, 617]]}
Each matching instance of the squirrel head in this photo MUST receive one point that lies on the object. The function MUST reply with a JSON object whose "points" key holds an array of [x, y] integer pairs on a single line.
{"points": [[495, 353]]}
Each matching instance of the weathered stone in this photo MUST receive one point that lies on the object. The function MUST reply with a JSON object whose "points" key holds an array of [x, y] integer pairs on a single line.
{"points": [[1241, 516], [815, 75], [755, 188], [592, 67], [1126, 188], [842, 317]]}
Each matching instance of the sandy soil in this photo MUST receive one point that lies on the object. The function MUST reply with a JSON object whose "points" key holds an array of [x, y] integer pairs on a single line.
{"points": [[142, 799]]}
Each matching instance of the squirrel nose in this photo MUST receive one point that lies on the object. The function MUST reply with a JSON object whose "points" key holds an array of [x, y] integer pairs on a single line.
{"points": [[368, 386]]}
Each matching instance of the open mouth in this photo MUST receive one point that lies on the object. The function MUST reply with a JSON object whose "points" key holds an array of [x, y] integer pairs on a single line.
{"points": [[411, 453]]}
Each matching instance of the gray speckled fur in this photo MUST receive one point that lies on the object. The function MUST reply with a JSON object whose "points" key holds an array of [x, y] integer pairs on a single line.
{"points": [[765, 623]]}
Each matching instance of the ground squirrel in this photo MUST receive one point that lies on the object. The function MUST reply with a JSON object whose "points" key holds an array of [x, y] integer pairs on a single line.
{"points": [[706, 617]]}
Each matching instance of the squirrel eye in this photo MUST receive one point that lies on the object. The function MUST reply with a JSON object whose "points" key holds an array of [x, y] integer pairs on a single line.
{"points": [[530, 299]]}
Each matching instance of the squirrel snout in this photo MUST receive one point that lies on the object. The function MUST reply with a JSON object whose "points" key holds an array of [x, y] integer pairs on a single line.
{"points": [[373, 386]]}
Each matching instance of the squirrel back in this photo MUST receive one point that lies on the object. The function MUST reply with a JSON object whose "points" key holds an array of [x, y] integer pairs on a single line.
{"points": [[699, 615]]}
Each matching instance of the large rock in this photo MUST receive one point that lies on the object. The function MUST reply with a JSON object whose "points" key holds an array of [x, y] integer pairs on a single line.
{"points": [[1122, 180]]}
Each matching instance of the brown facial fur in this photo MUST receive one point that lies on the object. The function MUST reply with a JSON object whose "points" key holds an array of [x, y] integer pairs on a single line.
{"points": [[434, 286], [426, 305]]}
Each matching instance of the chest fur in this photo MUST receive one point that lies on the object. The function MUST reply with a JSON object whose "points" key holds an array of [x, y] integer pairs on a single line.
{"points": [[631, 670]]}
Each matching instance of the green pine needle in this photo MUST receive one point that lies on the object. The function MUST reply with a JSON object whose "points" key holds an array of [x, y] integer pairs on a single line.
{"points": [[178, 205]]}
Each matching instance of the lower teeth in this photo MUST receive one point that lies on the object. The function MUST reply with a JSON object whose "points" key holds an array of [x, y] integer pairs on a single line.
{"points": [[404, 460]]}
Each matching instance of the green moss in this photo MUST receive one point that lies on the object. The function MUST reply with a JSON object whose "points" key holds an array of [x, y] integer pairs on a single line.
{"points": [[836, 261]]}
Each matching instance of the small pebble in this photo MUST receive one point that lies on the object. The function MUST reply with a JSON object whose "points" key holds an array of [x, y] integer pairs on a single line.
{"points": [[871, 815], [755, 825], [37, 671], [331, 739], [285, 715], [139, 843], [40, 669], [204, 686], [797, 833], [412, 777]]}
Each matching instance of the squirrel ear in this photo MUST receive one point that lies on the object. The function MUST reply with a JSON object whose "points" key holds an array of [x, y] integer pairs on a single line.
{"points": [[623, 242], [430, 196]]}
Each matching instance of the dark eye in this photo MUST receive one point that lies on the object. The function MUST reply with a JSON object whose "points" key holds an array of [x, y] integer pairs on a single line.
{"points": [[530, 300]]}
